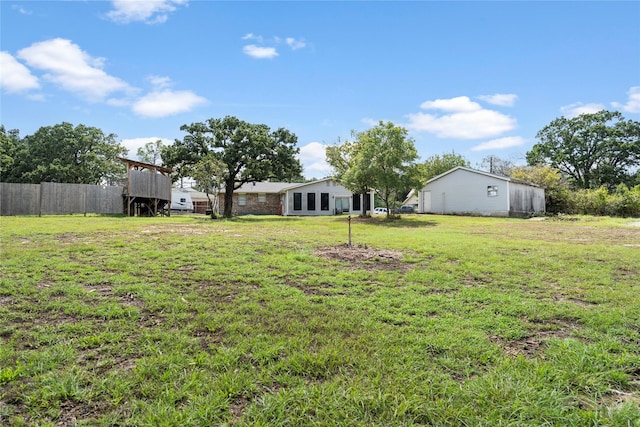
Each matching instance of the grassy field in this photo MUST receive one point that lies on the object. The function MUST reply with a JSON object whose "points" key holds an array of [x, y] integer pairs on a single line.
{"points": [[269, 321]]}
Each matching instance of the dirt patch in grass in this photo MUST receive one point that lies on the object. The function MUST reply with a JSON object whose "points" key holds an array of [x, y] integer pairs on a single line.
{"points": [[536, 340], [175, 228], [577, 301], [237, 409], [105, 290], [364, 257]]}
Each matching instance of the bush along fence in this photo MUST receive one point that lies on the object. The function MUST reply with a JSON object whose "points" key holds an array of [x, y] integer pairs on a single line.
{"points": [[51, 198]]}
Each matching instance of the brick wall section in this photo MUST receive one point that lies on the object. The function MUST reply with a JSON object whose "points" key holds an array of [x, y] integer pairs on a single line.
{"points": [[200, 207], [270, 207]]}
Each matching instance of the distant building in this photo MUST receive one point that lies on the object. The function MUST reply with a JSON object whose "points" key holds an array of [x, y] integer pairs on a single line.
{"points": [[465, 191], [323, 197]]}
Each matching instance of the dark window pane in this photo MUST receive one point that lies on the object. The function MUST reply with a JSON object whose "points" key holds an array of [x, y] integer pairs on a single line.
{"points": [[297, 201], [324, 201], [367, 202], [311, 201], [356, 202]]}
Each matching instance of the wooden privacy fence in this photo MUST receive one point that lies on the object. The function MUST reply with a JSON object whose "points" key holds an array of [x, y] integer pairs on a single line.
{"points": [[51, 198]]}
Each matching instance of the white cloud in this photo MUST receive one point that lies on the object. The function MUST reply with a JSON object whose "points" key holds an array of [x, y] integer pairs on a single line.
{"points": [[458, 104], [160, 82], [370, 122], [15, 77], [260, 52], [463, 119], [574, 110], [266, 48], [66, 65], [313, 159], [163, 103], [500, 143], [633, 103], [148, 11], [251, 36], [21, 10], [500, 99], [132, 144], [295, 44]]}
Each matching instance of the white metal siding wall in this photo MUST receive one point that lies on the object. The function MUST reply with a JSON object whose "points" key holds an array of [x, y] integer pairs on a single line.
{"points": [[465, 192], [525, 199]]}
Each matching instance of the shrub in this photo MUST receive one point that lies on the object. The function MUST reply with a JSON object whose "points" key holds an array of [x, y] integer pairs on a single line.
{"points": [[623, 202]]}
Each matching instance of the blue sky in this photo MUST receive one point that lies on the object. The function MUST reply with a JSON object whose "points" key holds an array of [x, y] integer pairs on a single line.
{"points": [[477, 78]]}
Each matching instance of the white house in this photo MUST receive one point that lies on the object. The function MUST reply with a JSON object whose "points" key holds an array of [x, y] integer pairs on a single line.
{"points": [[465, 191], [323, 197]]}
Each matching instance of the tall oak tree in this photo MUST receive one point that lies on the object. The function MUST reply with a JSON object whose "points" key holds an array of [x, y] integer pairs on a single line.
{"points": [[591, 149], [249, 153]]}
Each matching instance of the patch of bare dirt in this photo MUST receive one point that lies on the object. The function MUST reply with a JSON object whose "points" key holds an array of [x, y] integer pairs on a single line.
{"points": [[175, 228], [237, 409], [364, 257], [532, 344], [578, 301], [105, 290]]}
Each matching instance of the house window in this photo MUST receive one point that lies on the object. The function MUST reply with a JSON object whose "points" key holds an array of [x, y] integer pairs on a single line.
{"points": [[297, 201], [183, 200], [242, 199], [356, 202], [311, 201], [324, 201], [262, 198], [492, 191]]}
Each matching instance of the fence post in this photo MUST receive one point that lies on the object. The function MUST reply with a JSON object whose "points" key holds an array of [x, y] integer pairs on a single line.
{"points": [[40, 201]]}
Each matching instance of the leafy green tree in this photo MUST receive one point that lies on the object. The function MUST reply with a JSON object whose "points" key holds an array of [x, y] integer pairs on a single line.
{"points": [[64, 153], [439, 164], [592, 149], [151, 152], [249, 152], [381, 158], [344, 158], [208, 173], [10, 146]]}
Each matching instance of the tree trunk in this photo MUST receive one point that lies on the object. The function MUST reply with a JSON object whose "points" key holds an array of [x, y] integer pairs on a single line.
{"points": [[228, 199]]}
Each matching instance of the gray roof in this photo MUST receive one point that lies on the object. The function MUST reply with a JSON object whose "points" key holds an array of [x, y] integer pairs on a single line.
{"points": [[263, 187], [501, 177]]}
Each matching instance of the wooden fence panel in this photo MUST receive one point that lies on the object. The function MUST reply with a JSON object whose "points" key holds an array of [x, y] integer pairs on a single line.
{"points": [[52, 198], [60, 198], [104, 200], [19, 199]]}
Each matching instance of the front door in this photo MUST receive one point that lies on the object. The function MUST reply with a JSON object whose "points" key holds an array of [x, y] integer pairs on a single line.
{"points": [[342, 204]]}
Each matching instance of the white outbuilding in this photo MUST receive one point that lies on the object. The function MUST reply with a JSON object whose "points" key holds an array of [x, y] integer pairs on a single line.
{"points": [[465, 191]]}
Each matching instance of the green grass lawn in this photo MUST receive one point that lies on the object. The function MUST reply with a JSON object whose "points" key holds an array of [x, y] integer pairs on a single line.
{"points": [[269, 321]]}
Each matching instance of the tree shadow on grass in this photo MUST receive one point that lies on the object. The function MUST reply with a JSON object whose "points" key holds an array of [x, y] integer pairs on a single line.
{"points": [[397, 221]]}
